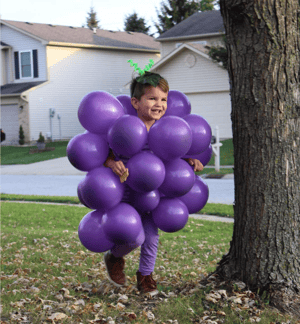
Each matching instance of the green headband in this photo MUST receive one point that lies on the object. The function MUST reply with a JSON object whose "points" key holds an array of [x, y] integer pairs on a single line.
{"points": [[145, 76]]}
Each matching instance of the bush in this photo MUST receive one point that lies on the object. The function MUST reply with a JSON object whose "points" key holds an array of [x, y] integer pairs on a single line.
{"points": [[41, 138], [21, 136]]}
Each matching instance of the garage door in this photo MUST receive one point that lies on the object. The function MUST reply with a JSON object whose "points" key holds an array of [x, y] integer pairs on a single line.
{"points": [[10, 124], [215, 108]]}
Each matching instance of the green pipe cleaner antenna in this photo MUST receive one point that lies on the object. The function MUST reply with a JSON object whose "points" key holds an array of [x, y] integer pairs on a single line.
{"points": [[136, 68], [145, 76]]}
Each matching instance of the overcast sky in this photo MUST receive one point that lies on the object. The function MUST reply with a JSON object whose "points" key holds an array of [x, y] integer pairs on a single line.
{"points": [[111, 13]]}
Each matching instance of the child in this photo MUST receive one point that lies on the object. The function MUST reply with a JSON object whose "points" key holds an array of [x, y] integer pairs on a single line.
{"points": [[149, 98]]}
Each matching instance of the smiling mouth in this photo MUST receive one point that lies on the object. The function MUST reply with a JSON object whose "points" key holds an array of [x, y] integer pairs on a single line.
{"points": [[156, 111]]}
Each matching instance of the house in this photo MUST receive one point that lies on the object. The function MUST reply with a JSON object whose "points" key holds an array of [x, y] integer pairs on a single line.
{"points": [[186, 65], [47, 69]]}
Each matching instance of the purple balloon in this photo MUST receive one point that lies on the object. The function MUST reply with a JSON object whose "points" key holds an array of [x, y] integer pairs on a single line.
{"points": [[197, 197], [170, 215], [203, 157], [80, 195], [87, 151], [98, 110], [179, 178], [123, 249], [146, 172], [178, 104], [201, 133], [126, 103], [122, 224], [102, 189], [91, 234], [145, 201], [127, 136], [170, 138]]}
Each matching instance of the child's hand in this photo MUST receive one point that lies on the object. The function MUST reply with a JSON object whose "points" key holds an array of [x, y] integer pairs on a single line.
{"points": [[117, 167], [198, 166]]}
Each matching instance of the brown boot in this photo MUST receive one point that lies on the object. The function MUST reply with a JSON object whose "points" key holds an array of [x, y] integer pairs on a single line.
{"points": [[114, 267], [146, 284]]}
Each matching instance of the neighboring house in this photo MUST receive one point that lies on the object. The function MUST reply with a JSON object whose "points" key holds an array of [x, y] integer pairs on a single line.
{"points": [[188, 68], [45, 67]]}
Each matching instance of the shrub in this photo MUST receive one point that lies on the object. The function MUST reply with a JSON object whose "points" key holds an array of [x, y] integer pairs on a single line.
{"points": [[41, 138], [21, 136]]}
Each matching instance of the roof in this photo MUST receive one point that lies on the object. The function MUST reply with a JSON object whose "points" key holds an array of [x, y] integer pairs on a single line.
{"points": [[80, 35], [4, 45], [199, 24], [18, 88]]}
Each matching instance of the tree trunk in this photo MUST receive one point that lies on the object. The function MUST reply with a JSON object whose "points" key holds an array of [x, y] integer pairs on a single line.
{"points": [[263, 63]]}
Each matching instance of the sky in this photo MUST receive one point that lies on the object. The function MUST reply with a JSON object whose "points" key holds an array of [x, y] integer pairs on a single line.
{"points": [[111, 13]]}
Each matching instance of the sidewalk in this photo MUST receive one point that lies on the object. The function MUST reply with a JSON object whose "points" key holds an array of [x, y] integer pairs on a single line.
{"points": [[59, 166]]}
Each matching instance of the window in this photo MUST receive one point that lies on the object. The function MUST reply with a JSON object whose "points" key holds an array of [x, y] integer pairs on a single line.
{"points": [[26, 64]]}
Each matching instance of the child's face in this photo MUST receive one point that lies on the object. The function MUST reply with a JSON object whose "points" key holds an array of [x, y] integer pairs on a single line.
{"points": [[152, 105]]}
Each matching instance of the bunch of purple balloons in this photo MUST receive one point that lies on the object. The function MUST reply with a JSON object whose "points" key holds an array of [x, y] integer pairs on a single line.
{"points": [[160, 179]]}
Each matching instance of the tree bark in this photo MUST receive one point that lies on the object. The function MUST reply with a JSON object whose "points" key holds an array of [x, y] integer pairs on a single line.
{"points": [[263, 64]]}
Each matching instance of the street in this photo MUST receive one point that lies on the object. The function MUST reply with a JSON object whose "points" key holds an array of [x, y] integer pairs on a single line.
{"points": [[59, 178]]}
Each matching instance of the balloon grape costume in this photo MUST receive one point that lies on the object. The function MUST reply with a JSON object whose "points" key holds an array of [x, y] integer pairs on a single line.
{"points": [[161, 180]]}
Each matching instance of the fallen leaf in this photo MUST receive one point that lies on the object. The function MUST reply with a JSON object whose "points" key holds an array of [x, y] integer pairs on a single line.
{"points": [[57, 316], [123, 299], [79, 302], [120, 306]]}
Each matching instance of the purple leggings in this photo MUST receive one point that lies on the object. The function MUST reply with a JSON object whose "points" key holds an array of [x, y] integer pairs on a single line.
{"points": [[148, 243]]}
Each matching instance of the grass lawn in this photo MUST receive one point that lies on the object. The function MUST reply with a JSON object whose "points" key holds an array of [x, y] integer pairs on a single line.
{"points": [[20, 155], [209, 209], [48, 276], [226, 152], [212, 171]]}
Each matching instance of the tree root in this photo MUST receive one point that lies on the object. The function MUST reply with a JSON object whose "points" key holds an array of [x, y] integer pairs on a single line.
{"points": [[286, 300]]}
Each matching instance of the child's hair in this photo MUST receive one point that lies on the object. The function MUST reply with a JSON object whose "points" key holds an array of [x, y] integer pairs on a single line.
{"points": [[138, 89]]}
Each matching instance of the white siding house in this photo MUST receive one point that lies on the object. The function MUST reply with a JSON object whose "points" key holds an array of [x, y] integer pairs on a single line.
{"points": [[188, 68], [205, 83], [74, 72], [53, 67]]}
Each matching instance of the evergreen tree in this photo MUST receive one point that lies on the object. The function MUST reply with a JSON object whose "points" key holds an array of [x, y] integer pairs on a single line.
{"points": [[173, 12], [135, 24], [91, 19], [206, 5], [21, 136], [219, 53]]}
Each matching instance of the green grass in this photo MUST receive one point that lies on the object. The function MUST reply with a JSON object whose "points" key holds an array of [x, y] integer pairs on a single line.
{"points": [[226, 151], [218, 210], [212, 171], [209, 209], [53, 199], [20, 155], [46, 270]]}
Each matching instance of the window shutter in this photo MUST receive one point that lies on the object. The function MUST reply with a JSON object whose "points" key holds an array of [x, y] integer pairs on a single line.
{"points": [[17, 69], [35, 64]]}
